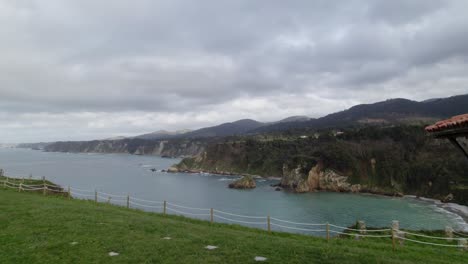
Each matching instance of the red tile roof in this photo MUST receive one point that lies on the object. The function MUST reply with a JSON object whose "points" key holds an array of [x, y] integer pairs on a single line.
{"points": [[451, 123]]}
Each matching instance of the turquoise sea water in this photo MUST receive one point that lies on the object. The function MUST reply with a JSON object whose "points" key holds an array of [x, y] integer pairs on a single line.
{"points": [[129, 174]]}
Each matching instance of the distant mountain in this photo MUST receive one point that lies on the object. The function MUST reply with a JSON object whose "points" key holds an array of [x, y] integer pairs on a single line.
{"points": [[391, 111], [161, 134], [294, 119], [115, 138], [227, 129]]}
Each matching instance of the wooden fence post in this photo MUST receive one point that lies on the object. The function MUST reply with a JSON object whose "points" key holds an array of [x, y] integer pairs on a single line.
{"points": [[5, 182], [211, 215], [164, 211], [69, 192], [44, 188], [128, 201], [95, 196], [393, 239], [20, 187], [328, 231], [269, 223]]}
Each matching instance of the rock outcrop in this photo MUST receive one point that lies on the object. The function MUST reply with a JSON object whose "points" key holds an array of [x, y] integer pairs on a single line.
{"points": [[246, 182], [317, 179]]}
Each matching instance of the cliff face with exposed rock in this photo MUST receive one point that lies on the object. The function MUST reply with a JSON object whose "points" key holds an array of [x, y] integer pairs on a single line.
{"points": [[317, 179], [163, 148]]}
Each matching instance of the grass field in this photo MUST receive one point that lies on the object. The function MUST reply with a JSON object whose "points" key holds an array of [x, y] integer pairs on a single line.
{"points": [[41, 229]]}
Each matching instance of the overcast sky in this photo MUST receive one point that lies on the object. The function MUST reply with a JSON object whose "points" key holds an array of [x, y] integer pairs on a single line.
{"points": [[86, 69]]}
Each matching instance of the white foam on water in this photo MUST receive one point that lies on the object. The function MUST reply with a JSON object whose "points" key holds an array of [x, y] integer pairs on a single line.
{"points": [[456, 211], [228, 179]]}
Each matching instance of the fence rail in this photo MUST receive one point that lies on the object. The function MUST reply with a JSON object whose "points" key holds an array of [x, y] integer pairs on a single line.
{"points": [[268, 222]]}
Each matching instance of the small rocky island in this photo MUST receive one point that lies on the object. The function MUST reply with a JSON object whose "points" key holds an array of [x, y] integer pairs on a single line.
{"points": [[246, 182]]}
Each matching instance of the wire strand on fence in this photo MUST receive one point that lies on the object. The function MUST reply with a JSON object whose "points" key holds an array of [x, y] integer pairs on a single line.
{"points": [[81, 190], [33, 189], [56, 191], [148, 201], [460, 234], [359, 235], [145, 205], [296, 223], [112, 198], [426, 236], [113, 195], [33, 186], [245, 216], [12, 186], [428, 243], [80, 194], [239, 221], [189, 208], [180, 212], [366, 230], [300, 229]]}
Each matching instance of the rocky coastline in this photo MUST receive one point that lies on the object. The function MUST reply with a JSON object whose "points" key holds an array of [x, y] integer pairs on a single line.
{"points": [[317, 180]]}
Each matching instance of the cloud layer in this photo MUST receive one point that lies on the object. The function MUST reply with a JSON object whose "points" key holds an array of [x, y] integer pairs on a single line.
{"points": [[88, 69]]}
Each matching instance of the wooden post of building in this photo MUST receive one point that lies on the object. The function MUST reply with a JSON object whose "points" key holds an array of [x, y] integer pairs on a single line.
{"points": [[164, 210], [69, 192], [128, 201], [211, 215], [269, 223], [328, 231], [95, 196]]}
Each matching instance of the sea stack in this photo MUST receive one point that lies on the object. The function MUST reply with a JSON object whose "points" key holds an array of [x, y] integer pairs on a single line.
{"points": [[246, 182]]}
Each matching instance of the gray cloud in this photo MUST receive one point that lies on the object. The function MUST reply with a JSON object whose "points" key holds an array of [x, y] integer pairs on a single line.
{"points": [[98, 65]]}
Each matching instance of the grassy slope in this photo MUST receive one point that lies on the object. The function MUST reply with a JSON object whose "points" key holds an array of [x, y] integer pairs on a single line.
{"points": [[38, 229]]}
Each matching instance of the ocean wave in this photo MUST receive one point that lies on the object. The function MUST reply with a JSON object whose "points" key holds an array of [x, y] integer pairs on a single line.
{"points": [[147, 165], [457, 212]]}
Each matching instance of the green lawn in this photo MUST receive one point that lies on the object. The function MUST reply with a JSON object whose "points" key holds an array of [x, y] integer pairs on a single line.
{"points": [[40, 229]]}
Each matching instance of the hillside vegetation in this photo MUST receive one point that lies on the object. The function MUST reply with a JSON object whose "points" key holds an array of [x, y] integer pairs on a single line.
{"points": [[391, 160], [51, 229]]}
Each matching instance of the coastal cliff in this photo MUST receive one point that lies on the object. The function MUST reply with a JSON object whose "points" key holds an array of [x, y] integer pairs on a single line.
{"points": [[163, 148], [382, 160]]}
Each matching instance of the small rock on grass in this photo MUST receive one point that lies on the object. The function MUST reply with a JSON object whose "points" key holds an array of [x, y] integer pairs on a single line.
{"points": [[112, 254], [257, 258], [167, 238], [211, 247], [74, 243]]}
